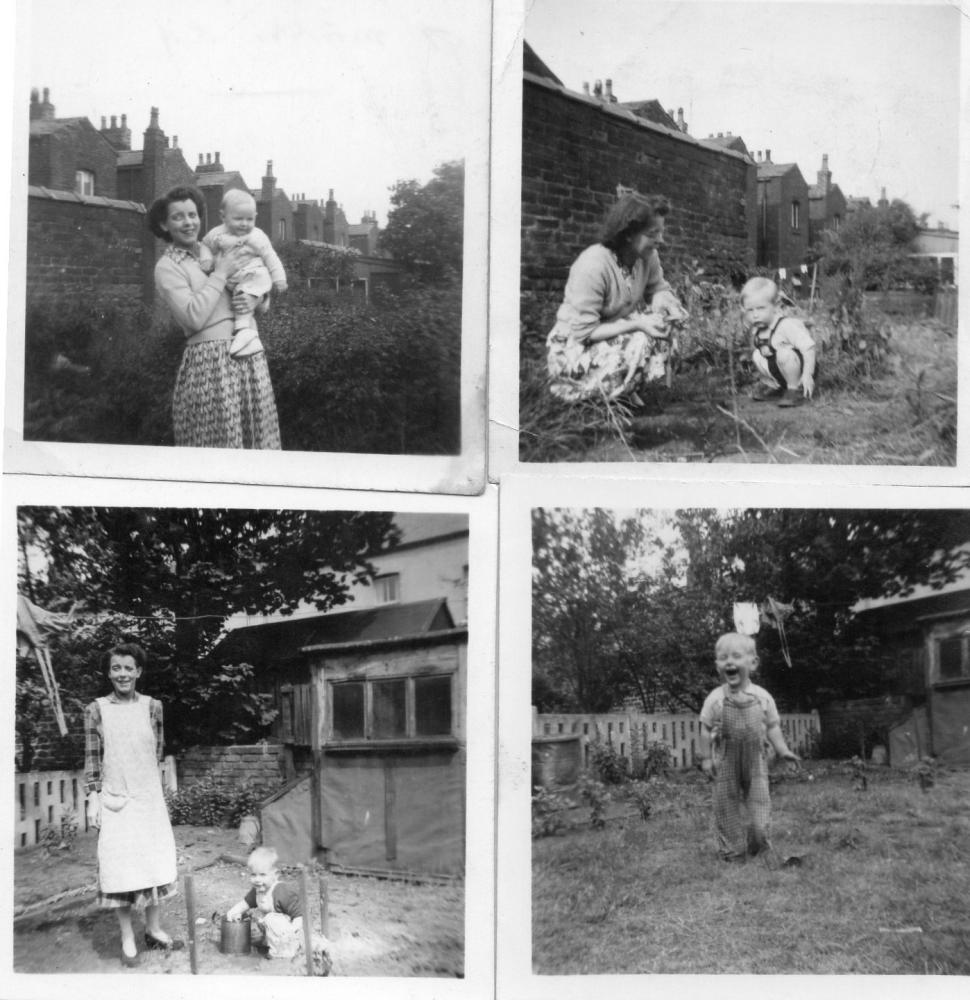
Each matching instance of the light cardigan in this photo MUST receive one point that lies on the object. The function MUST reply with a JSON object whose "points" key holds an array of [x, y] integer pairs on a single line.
{"points": [[599, 290], [197, 301]]}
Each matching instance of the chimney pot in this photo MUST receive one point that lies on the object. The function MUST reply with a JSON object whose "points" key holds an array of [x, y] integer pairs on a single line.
{"points": [[720, 135], [124, 121], [768, 155], [208, 158], [47, 95], [35, 96], [586, 87], [114, 121], [104, 123], [175, 142]]}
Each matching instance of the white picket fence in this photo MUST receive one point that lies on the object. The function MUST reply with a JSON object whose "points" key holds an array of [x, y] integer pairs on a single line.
{"points": [[43, 798], [627, 732]]}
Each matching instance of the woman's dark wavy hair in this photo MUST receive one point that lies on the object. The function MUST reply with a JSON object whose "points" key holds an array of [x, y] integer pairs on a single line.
{"points": [[131, 649], [159, 209], [631, 214]]}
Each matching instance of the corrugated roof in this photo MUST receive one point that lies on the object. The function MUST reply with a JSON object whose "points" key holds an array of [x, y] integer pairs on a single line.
{"points": [[278, 641]]}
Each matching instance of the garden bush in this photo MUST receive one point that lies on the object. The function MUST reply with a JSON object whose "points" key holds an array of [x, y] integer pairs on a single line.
{"points": [[208, 802], [382, 377]]}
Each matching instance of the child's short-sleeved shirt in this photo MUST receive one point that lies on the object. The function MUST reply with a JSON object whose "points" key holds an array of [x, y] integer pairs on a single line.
{"points": [[280, 898], [713, 709]]}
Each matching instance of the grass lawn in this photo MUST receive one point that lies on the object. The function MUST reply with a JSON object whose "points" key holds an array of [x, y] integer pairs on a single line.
{"points": [[883, 886]]}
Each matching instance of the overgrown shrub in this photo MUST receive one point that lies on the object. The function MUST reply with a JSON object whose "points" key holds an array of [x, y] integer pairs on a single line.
{"points": [[380, 378], [607, 764], [548, 812], [597, 796], [208, 802]]}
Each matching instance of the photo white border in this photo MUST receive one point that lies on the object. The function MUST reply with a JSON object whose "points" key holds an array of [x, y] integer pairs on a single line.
{"points": [[520, 494], [510, 29], [479, 882], [463, 473]]}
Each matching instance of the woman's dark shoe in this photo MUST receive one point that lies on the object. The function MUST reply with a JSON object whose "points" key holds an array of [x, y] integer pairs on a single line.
{"points": [[792, 397], [153, 943], [763, 393]]}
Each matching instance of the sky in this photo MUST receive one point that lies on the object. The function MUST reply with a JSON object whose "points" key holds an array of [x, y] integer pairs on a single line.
{"points": [[351, 96], [875, 86]]}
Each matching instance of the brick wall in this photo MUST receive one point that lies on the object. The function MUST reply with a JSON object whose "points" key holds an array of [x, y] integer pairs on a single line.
{"points": [[96, 244], [260, 764], [576, 151]]}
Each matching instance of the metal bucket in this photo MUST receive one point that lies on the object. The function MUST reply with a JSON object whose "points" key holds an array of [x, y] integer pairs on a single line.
{"points": [[236, 937]]}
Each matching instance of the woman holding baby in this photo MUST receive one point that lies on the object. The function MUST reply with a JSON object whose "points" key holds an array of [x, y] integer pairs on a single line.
{"points": [[611, 329], [220, 401]]}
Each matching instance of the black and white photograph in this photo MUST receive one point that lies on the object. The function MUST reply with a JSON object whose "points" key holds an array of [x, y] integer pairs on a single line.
{"points": [[739, 234], [244, 739], [251, 227], [745, 730]]}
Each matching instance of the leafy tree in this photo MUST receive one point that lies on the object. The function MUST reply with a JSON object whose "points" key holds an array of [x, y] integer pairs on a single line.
{"points": [[425, 226], [170, 577], [641, 615]]}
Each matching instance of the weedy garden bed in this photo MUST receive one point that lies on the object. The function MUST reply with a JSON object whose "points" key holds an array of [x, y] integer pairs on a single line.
{"points": [[881, 884], [894, 404]]}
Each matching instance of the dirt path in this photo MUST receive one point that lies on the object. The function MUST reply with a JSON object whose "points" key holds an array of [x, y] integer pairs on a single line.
{"points": [[376, 927]]}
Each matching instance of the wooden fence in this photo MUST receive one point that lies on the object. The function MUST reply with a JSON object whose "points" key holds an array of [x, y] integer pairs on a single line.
{"points": [[45, 798], [946, 306], [628, 733]]}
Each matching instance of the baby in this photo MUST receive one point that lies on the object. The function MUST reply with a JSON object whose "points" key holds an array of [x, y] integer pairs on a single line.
{"points": [[784, 352], [278, 911], [260, 270]]}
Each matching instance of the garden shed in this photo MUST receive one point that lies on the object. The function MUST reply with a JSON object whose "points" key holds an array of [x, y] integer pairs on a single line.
{"points": [[376, 699], [930, 631]]}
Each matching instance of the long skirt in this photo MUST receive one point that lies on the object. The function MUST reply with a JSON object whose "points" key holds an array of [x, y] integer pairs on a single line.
{"points": [[224, 402], [608, 368]]}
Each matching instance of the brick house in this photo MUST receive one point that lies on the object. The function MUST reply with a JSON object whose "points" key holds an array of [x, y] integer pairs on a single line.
{"points": [[783, 214], [826, 204], [213, 180], [578, 148], [308, 219], [274, 210]]}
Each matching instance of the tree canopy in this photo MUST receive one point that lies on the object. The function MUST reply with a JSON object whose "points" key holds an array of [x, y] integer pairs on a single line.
{"points": [[425, 226], [630, 607], [169, 578]]}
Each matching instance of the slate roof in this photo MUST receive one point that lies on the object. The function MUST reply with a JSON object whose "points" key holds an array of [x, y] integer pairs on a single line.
{"points": [[45, 126], [279, 641], [214, 178], [418, 528], [766, 171], [531, 63]]}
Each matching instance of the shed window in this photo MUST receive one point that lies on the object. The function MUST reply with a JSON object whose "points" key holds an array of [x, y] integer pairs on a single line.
{"points": [[348, 711], [432, 706], [390, 710], [796, 210], [950, 653]]}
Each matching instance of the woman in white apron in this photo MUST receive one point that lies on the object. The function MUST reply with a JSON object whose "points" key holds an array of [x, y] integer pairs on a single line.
{"points": [[136, 849]]}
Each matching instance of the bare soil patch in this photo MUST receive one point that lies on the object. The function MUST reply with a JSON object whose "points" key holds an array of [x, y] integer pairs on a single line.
{"points": [[376, 927]]}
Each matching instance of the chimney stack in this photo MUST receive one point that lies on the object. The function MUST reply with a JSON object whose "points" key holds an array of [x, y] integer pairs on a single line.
{"points": [[586, 87], [609, 92], [598, 90], [681, 124]]}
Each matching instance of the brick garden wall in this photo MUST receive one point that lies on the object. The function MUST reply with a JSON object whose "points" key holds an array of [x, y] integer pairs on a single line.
{"points": [[258, 764], [576, 151], [93, 244]]}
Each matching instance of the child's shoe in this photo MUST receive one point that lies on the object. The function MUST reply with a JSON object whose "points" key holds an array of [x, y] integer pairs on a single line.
{"points": [[791, 397], [245, 342]]}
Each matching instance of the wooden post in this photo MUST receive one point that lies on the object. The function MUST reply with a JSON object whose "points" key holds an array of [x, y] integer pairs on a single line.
{"points": [[307, 919], [190, 917], [324, 907]]}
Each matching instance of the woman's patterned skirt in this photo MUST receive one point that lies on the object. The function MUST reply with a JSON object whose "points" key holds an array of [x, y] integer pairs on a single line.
{"points": [[224, 402]]}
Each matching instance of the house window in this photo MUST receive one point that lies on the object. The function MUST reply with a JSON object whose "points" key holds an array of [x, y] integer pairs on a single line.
{"points": [[84, 182], [281, 230], [795, 214], [392, 708], [837, 222], [950, 653], [388, 588]]}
